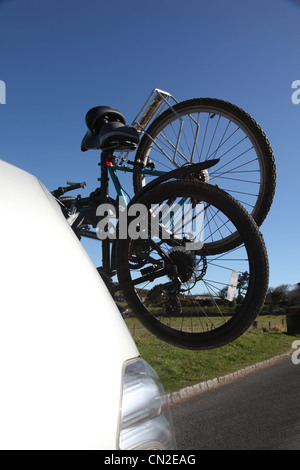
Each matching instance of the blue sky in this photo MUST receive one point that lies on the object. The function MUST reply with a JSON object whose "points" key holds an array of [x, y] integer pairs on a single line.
{"points": [[60, 58]]}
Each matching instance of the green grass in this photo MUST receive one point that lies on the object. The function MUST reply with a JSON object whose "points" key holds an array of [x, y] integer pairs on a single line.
{"points": [[179, 368]]}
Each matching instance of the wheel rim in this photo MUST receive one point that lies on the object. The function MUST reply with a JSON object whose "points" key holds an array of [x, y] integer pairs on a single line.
{"points": [[196, 306], [202, 133]]}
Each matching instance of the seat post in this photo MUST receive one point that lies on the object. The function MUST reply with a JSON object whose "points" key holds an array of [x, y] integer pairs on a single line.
{"points": [[104, 174], [106, 261]]}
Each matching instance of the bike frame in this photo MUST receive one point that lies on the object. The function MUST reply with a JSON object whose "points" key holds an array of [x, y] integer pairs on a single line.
{"points": [[108, 170]]}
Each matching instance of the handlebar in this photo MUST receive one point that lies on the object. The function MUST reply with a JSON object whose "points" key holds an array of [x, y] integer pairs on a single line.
{"points": [[62, 190]]}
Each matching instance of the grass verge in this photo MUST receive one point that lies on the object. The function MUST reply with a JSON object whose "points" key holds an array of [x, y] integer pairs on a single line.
{"points": [[179, 368]]}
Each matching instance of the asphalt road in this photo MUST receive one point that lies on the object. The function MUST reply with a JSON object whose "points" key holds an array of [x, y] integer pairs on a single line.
{"points": [[258, 411]]}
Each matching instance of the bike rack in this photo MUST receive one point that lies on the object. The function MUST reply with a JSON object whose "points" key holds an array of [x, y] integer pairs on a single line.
{"points": [[158, 100], [156, 103]]}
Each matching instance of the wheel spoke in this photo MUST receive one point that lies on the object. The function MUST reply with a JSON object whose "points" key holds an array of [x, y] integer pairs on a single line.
{"points": [[189, 295], [205, 129]]}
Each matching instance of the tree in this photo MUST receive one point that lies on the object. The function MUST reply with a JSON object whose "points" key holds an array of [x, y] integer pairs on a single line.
{"points": [[295, 294], [155, 295], [279, 296], [242, 284], [243, 281], [223, 293]]}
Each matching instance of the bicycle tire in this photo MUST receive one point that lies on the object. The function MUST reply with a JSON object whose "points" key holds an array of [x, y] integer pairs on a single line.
{"points": [[169, 321], [246, 156]]}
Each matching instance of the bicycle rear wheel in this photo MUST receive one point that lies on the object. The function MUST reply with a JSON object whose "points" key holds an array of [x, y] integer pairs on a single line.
{"points": [[174, 277], [206, 128]]}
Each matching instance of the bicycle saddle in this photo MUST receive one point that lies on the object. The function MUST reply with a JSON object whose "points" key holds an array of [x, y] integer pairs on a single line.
{"points": [[97, 117], [107, 130]]}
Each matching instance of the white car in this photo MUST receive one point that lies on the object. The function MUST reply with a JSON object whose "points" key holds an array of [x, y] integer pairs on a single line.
{"points": [[71, 375]]}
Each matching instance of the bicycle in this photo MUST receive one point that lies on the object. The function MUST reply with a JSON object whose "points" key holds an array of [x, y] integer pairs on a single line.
{"points": [[185, 286]]}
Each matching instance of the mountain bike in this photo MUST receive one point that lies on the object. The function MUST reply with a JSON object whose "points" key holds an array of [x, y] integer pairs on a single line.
{"points": [[171, 263]]}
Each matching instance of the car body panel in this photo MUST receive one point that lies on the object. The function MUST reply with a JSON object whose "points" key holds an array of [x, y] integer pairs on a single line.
{"points": [[63, 342]]}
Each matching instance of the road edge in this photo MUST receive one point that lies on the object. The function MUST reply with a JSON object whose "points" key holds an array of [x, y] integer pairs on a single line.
{"points": [[189, 392]]}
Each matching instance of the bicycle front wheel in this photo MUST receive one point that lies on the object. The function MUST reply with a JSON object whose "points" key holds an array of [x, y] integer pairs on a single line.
{"points": [[206, 128], [174, 277]]}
